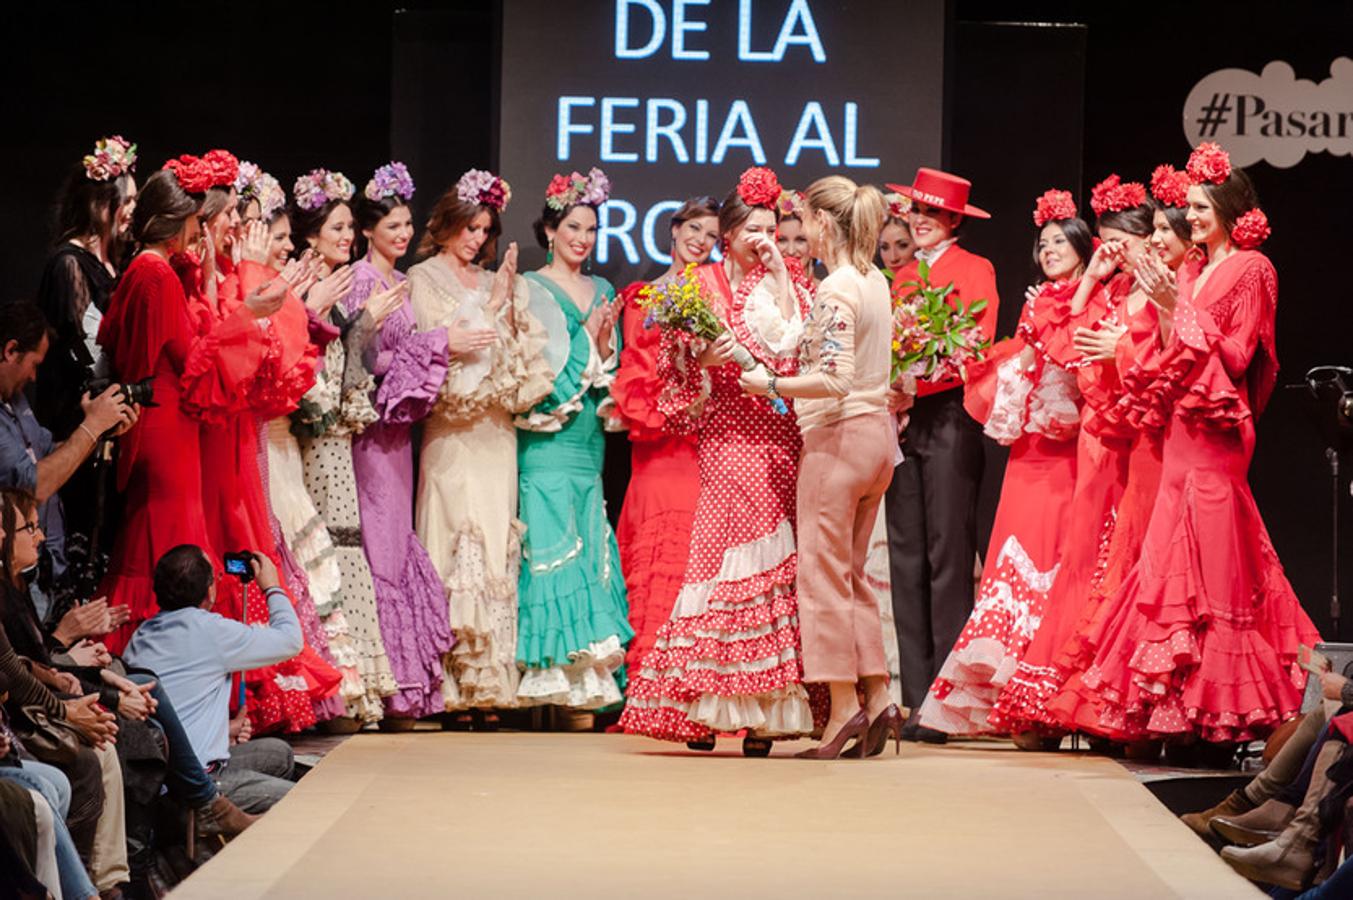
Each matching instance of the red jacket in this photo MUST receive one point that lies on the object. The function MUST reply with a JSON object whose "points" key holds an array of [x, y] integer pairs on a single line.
{"points": [[974, 279]]}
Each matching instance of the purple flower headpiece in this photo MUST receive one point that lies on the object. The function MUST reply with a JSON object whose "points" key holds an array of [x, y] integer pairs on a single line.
{"points": [[253, 183], [566, 190], [484, 188], [112, 158], [320, 186], [390, 180]]}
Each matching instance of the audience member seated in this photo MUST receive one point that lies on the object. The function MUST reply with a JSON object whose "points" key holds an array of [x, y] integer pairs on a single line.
{"points": [[52, 787], [134, 696], [194, 652]]}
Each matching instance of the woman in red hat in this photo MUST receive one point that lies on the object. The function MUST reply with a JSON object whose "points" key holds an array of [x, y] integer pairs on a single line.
{"points": [[1201, 639], [1030, 403], [932, 502]]}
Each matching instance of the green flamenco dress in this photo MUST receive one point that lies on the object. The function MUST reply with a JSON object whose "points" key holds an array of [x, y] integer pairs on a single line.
{"points": [[573, 619]]}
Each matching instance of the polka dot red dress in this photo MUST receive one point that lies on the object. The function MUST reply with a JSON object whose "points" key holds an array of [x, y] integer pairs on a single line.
{"points": [[729, 657]]}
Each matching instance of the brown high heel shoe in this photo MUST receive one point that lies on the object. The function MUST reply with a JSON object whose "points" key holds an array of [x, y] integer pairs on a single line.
{"points": [[887, 723], [857, 727]]}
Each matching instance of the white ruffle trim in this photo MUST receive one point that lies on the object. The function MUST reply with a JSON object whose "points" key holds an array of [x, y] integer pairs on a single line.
{"points": [[586, 682], [1034, 577], [762, 313], [739, 563], [1005, 425], [782, 713], [1054, 405], [595, 375]]}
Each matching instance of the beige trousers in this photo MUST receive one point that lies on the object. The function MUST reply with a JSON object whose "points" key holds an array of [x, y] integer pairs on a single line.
{"points": [[844, 470], [108, 861]]}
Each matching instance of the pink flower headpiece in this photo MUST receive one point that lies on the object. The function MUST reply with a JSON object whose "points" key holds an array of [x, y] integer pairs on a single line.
{"points": [[390, 180], [789, 203], [1209, 163], [1251, 230], [1170, 186], [253, 183], [112, 158], [320, 186], [758, 186], [1114, 195], [482, 188], [898, 205], [1054, 206], [564, 191]]}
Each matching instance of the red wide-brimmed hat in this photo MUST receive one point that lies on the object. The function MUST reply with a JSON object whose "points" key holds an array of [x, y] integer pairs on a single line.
{"points": [[940, 189]]}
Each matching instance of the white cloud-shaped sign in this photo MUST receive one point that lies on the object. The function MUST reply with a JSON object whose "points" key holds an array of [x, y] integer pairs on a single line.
{"points": [[1273, 115]]}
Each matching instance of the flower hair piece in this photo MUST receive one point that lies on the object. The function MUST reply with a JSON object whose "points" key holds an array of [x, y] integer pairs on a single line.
{"points": [[789, 203], [1251, 230], [222, 168], [192, 175], [253, 183], [758, 186], [1053, 206], [112, 158], [320, 186], [1209, 163], [390, 180], [1114, 195], [564, 191], [482, 188], [1170, 186], [898, 206]]}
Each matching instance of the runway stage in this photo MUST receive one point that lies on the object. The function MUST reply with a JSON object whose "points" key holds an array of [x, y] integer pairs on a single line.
{"points": [[535, 815]]}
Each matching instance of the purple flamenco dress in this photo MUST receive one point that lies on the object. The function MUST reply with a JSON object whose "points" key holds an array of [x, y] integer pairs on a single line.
{"points": [[409, 367]]}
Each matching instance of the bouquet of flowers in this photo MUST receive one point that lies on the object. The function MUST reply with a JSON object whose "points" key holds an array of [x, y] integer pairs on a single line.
{"points": [[934, 339], [683, 304]]}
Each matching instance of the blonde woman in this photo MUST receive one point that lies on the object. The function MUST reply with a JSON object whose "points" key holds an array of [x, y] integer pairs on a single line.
{"points": [[846, 463]]}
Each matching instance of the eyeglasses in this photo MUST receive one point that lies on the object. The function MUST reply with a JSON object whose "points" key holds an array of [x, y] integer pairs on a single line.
{"points": [[31, 528]]}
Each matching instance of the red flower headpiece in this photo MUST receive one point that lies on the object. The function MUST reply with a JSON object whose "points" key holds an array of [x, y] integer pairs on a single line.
{"points": [[1170, 186], [758, 186], [219, 168], [1251, 230], [1209, 163], [1114, 195], [223, 166], [192, 175], [1053, 206]]}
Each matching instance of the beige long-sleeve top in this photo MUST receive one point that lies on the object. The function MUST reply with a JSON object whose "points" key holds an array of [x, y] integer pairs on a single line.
{"points": [[845, 353]]}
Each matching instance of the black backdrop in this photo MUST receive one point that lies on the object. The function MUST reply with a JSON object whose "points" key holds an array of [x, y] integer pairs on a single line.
{"points": [[299, 84]]}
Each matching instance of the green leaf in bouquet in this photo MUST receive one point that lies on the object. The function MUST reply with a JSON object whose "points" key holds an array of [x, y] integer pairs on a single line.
{"points": [[976, 307], [923, 270]]}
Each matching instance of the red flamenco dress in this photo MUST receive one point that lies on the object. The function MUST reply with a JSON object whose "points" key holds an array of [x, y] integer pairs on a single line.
{"points": [[728, 658], [1202, 636], [1072, 708], [654, 530], [1032, 405], [247, 368], [1101, 475], [148, 333]]}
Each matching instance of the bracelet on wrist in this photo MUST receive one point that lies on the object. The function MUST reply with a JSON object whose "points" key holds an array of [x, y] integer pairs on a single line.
{"points": [[770, 387]]}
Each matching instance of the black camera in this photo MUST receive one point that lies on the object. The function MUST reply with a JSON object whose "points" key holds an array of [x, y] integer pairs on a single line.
{"points": [[241, 565], [142, 392]]}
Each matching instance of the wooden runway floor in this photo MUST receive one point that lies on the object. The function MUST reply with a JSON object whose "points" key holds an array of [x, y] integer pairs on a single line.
{"points": [[558, 816]]}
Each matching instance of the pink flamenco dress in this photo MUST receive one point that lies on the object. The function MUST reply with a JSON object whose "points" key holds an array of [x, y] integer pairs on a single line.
{"points": [[1030, 404], [1202, 636], [1101, 475], [654, 530], [728, 659], [244, 369]]}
